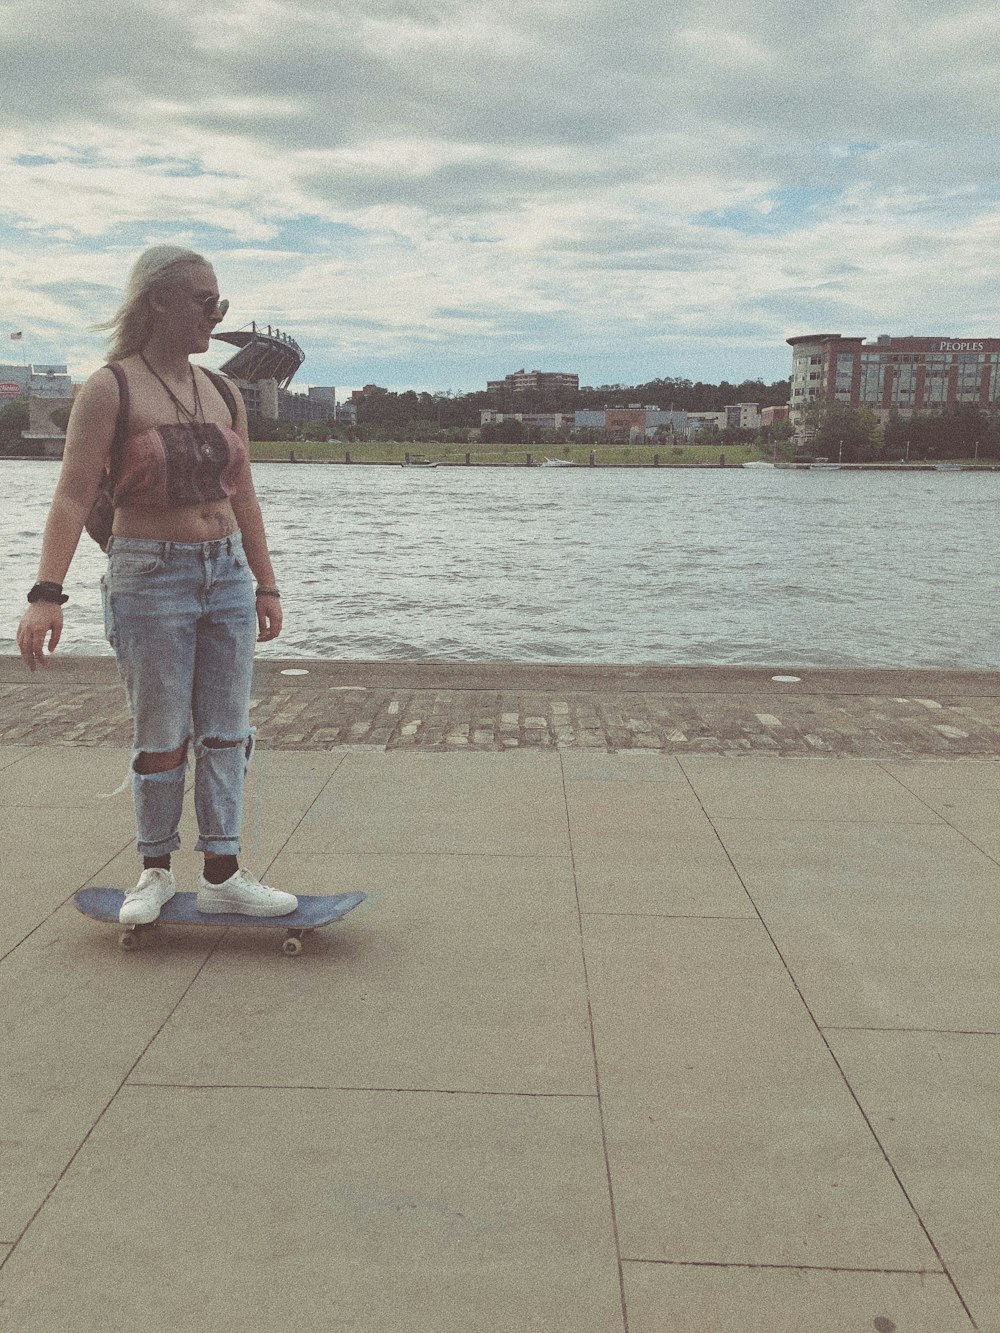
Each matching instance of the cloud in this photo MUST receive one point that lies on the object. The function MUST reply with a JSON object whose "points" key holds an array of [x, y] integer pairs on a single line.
{"points": [[620, 187]]}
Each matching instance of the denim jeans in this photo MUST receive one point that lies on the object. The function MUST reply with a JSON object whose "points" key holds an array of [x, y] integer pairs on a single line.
{"points": [[182, 621]]}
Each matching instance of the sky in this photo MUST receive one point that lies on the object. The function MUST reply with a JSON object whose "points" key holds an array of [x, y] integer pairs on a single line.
{"points": [[430, 193]]}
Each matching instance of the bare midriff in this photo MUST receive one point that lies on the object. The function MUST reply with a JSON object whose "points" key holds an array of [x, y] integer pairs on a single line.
{"points": [[191, 523]]}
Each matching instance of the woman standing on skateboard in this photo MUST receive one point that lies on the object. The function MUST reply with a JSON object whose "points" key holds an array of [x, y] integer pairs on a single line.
{"points": [[166, 445]]}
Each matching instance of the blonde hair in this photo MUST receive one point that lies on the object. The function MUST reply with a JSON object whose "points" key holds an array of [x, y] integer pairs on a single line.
{"points": [[132, 324]]}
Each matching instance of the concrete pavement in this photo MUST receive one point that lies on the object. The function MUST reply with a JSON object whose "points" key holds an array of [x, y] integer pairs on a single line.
{"points": [[636, 1041]]}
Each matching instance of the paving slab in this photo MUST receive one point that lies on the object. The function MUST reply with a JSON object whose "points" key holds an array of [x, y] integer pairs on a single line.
{"points": [[803, 789], [628, 820], [732, 1137], [11, 754], [934, 1101], [691, 877], [965, 792], [642, 842], [453, 803], [460, 973], [630, 765], [365, 1212], [46, 854], [81, 777], [882, 925], [672, 1298], [75, 1015]]}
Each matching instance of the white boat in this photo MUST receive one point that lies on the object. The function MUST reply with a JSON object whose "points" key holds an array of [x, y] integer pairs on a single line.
{"points": [[758, 462], [418, 460], [558, 462]]}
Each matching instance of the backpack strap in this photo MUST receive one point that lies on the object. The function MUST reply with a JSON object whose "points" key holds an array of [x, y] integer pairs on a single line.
{"points": [[121, 421], [222, 384]]}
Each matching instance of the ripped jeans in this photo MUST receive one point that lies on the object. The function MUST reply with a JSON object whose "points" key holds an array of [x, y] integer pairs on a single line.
{"points": [[182, 620]]}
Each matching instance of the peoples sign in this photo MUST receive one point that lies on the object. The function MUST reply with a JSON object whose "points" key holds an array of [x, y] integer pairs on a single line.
{"points": [[10, 390]]}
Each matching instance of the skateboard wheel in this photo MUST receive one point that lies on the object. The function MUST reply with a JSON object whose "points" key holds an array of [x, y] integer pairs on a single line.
{"points": [[292, 946], [129, 940]]}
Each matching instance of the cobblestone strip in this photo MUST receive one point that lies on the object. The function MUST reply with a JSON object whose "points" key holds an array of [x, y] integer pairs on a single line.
{"points": [[287, 717]]}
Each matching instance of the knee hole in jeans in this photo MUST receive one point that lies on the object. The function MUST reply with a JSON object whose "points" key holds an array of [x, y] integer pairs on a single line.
{"points": [[160, 761]]}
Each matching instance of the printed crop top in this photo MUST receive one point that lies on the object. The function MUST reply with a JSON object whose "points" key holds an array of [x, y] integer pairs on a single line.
{"points": [[168, 467]]}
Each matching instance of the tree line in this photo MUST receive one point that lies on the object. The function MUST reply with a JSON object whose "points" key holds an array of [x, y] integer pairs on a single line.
{"points": [[410, 415], [854, 435]]}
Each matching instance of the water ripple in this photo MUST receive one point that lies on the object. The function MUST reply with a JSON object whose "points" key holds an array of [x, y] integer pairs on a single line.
{"points": [[727, 567]]}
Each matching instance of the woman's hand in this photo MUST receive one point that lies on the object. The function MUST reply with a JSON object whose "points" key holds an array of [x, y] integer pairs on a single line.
{"points": [[40, 620], [268, 618]]}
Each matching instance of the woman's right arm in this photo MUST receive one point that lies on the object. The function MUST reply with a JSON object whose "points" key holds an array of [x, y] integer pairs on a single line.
{"points": [[89, 434]]}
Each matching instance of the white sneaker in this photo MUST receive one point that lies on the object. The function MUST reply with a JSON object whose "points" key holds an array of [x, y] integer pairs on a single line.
{"points": [[244, 894], [142, 904]]}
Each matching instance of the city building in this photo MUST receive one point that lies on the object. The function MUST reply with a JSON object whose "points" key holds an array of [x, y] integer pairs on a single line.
{"points": [[48, 389], [743, 416], [35, 381], [534, 381], [712, 421], [540, 420], [773, 416], [318, 403], [589, 419], [675, 422], [261, 397], [908, 375], [630, 423]]}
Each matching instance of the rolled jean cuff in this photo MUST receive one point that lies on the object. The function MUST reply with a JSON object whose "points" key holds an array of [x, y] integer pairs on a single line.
{"points": [[218, 846]]}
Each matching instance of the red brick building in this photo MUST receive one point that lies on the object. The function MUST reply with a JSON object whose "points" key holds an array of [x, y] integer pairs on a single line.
{"points": [[908, 375]]}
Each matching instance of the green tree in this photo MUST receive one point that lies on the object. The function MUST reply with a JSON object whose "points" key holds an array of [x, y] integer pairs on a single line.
{"points": [[845, 434]]}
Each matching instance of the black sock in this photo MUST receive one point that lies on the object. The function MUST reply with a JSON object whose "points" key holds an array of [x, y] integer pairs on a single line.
{"points": [[156, 862], [218, 868]]}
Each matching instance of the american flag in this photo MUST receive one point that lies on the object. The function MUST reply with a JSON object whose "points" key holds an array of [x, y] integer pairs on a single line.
{"points": [[16, 337]]}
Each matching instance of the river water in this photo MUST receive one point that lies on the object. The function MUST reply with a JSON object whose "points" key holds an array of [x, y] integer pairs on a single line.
{"points": [[673, 566]]}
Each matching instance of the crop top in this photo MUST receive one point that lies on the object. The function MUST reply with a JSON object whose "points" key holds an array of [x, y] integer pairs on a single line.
{"points": [[189, 463], [167, 467]]}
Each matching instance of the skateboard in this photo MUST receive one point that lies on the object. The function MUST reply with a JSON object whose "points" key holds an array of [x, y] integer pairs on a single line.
{"points": [[105, 904]]}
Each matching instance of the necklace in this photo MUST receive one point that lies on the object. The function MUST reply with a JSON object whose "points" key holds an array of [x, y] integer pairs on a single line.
{"points": [[183, 413]]}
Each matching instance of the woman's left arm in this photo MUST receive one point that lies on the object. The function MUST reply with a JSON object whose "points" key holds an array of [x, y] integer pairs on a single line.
{"points": [[246, 507]]}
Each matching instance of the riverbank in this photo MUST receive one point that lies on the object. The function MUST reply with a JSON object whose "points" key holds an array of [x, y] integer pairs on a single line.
{"points": [[703, 457], [395, 454], [305, 704]]}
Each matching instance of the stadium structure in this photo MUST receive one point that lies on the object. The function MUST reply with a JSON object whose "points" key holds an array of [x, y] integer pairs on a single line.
{"points": [[264, 367], [262, 356]]}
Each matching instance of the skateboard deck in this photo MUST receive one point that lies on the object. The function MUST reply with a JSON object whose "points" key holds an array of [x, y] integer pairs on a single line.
{"points": [[312, 912]]}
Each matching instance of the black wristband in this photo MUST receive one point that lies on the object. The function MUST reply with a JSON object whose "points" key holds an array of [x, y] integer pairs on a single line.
{"points": [[45, 591], [267, 592]]}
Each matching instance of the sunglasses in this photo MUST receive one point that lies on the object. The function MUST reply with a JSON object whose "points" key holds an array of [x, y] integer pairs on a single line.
{"points": [[213, 305]]}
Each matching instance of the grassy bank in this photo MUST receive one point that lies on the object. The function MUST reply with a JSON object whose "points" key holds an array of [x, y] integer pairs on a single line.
{"points": [[510, 455]]}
